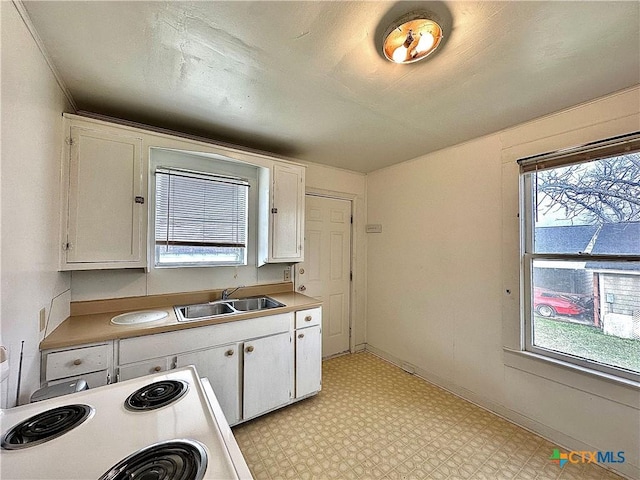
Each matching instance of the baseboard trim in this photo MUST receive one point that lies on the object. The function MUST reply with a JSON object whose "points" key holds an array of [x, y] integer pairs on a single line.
{"points": [[627, 470]]}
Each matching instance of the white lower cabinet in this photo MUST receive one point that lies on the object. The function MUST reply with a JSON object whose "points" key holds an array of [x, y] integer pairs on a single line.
{"points": [[221, 365], [254, 365], [308, 361], [268, 374]]}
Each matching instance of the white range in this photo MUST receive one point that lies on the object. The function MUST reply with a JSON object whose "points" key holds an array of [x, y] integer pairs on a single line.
{"points": [[163, 426]]}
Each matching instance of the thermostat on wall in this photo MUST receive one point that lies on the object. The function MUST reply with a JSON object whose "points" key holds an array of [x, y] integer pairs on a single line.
{"points": [[374, 228]]}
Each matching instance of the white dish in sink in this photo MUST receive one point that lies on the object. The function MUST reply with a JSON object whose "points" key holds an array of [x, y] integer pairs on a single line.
{"points": [[136, 318]]}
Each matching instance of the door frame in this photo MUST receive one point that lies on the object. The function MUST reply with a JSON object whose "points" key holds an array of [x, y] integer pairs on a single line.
{"points": [[351, 198]]}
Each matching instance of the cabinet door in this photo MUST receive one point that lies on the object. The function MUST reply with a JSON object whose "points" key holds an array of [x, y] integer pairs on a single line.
{"points": [[140, 369], [268, 373], [221, 365], [287, 213], [308, 361], [104, 222]]}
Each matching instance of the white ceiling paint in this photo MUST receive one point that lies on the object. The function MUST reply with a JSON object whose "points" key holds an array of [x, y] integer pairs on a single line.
{"points": [[308, 80]]}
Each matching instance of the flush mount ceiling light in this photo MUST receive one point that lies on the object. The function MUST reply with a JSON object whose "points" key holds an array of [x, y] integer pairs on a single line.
{"points": [[411, 38]]}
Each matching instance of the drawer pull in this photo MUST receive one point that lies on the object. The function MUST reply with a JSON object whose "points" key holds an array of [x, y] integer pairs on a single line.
{"points": [[77, 361], [301, 335], [229, 353], [157, 369], [250, 348], [307, 318]]}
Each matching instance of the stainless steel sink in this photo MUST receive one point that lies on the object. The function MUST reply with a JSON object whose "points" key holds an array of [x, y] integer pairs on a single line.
{"points": [[204, 310], [255, 303], [220, 308]]}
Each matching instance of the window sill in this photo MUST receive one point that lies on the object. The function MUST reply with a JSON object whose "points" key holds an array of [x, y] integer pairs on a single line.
{"points": [[607, 386]]}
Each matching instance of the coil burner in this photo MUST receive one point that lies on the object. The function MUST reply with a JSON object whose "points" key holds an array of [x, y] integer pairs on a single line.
{"points": [[45, 426], [156, 395], [170, 460]]}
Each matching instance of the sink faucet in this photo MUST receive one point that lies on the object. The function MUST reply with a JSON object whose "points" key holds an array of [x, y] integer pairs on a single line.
{"points": [[226, 293]]}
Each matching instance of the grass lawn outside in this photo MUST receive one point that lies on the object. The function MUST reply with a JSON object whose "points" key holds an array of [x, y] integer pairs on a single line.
{"points": [[587, 342]]}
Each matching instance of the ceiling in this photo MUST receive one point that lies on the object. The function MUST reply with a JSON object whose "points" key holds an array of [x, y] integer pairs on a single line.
{"points": [[308, 79]]}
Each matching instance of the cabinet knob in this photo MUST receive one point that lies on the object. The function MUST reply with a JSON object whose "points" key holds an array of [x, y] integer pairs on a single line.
{"points": [[157, 369], [229, 353], [301, 335], [250, 348], [307, 318], [77, 361], [302, 288]]}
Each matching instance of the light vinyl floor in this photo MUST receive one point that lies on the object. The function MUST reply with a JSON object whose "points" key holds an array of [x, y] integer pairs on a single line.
{"points": [[372, 420]]}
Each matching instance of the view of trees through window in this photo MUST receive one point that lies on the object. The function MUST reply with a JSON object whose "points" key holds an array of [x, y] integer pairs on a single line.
{"points": [[585, 275]]}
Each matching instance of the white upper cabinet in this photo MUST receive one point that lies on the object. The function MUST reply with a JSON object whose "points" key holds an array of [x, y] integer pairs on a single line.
{"points": [[105, 201], [282, 223], [104, 212]]}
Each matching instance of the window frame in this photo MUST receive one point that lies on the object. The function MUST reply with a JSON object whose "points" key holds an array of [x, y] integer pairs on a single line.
{"points": [[197, 162], [593, 151]]}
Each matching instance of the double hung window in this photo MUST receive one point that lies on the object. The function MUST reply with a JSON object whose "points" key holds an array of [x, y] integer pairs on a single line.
{"points": [[200, 218], [581, 255]]}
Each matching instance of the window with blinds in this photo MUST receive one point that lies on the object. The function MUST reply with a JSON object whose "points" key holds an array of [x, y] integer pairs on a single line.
{"points": [[200, 218], [581, 255]]}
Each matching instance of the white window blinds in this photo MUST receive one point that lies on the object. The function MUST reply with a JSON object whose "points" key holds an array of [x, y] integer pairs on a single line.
{"points": [[611, 147], [195, 209]]}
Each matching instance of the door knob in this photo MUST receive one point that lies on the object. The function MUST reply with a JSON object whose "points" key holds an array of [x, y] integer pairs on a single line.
{"points": [[302, 288]]}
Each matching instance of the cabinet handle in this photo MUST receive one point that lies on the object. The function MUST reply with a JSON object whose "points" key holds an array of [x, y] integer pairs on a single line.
{"points": [[302, 288], [307, 318], [250, 348], [274, 210], [229, 353], [77, 361], [301, 335], [140, 200], [157, 369]]}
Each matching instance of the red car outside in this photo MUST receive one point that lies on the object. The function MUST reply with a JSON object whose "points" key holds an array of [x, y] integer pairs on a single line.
{"points": [[549, 304]]}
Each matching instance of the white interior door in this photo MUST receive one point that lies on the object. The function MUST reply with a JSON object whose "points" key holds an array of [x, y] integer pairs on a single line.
{"points": [[325, 273]]}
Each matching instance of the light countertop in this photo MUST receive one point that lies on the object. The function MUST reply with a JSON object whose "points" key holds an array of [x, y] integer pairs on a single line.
{"points": [[96, 326]]}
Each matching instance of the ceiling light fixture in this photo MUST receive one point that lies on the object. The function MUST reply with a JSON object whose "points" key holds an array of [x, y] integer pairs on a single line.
{"points": [[411, 38]]}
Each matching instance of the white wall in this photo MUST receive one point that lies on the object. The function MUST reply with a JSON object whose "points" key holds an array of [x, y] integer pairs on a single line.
{"points": [[32, 106], [449, 249]]}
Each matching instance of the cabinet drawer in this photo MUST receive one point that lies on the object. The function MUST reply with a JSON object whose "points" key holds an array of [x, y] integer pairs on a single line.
{"points": [[141, 369], [308, 318], [69, 363]]}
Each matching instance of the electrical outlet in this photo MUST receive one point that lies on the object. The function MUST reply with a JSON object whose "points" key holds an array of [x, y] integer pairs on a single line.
{"points": [[287, 274], [43, 319]]}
